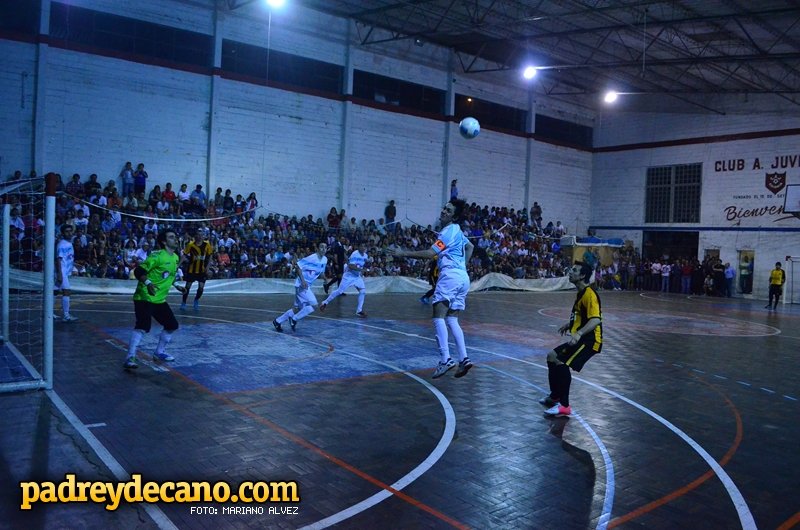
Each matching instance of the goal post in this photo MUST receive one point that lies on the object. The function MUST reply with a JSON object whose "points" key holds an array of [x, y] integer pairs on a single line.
{"points": [[27, 258], [790, 295]]}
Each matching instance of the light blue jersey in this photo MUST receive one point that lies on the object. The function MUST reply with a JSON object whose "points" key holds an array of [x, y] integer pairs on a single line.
{"points": [[450, 248], [311, 266], [358, 259]]}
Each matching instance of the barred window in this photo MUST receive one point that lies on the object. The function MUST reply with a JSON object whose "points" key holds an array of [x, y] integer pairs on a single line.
{"points": [[673, 194]]}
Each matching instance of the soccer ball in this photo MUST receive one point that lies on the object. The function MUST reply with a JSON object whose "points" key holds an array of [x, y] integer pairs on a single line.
{"points": [[469, 128]]}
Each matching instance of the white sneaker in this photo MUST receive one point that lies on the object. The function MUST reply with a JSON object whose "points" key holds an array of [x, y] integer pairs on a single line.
{"points": [[70, 318], [442, 368]]}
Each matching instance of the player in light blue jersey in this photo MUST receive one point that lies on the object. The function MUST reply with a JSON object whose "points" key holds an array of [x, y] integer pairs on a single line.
{"points": [[353, 275], [453, 250], [308, 269], [65, 261]]}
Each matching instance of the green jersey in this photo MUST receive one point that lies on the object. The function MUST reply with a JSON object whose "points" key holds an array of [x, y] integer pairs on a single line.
{"points": [[161, 267]]}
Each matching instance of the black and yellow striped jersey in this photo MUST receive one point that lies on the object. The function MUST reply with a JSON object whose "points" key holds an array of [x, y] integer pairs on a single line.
{"points": [[587, 306], [199, 256]]}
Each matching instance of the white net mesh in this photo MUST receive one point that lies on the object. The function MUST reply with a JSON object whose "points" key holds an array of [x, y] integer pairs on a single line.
{"points": [[22, 234]]}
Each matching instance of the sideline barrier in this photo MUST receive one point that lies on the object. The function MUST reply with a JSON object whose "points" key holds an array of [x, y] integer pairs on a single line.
{"points": [[30, 281]]}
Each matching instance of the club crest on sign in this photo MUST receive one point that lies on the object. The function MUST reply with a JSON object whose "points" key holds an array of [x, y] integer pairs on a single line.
{"points": [[775, 182]]}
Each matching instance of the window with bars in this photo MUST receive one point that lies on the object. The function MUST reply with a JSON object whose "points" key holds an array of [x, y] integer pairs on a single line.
{"points": [[673, 194]]}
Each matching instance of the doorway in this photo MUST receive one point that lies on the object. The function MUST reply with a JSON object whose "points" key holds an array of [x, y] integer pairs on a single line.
{"points": [[747, 258]]}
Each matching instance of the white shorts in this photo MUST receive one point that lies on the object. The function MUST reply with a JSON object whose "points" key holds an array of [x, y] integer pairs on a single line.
{"points": [[304, 297], [452, 287], [349, 280], [64, 282]]}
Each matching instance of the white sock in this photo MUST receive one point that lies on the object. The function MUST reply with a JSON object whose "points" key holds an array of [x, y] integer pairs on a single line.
{"points": [[441, 338], [361, 295], [136, 338], [163, 340], [284, 317], [458, 336], [65, 305], [303, 313]]}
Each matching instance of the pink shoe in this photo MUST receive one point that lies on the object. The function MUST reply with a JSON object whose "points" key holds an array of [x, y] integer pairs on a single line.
{"points": [[559, 411]]}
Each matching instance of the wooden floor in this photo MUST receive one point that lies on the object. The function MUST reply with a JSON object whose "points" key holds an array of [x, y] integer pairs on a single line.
{"points": [[688, 418]]}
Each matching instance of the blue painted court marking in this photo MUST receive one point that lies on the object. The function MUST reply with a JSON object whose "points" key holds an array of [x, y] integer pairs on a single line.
{"points": [[608, 498], [435, 455], [742, 510], [12, 369], [227, 356]]}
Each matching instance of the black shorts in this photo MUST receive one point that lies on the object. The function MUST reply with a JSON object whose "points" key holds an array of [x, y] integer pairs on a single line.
{"points": [[147, 311], [195, 277], [775, 290], [576, 355]]}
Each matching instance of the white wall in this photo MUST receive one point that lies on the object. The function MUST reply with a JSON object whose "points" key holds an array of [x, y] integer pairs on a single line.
{"points": [[101, 112], [282, 145], [734, 182], [560, 182], [18, 86], [191, 16]]}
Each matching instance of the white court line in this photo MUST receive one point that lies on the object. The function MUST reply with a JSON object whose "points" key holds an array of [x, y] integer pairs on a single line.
{"points": [[609, 493], [745, 516], [94, 425], [743, 511], [408, 478], [414, 474], [155, 513], [608, 501]]}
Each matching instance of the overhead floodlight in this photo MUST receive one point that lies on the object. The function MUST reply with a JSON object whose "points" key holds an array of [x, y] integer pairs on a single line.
{"points": [[610, 96], [529, 72], [276, 4]]}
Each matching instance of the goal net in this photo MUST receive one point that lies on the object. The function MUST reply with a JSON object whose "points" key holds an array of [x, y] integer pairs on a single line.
{"points": [[27, 305]]}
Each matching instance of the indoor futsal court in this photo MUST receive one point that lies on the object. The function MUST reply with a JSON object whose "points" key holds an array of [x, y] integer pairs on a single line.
{"points": [[687, 418], [238, 150]]}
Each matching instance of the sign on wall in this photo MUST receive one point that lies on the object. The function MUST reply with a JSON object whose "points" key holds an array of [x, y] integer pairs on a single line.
{"points": [[760, 195]]}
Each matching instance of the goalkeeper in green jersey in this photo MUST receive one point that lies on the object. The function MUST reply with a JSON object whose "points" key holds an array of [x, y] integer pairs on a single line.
{"points": [[155, 275]]}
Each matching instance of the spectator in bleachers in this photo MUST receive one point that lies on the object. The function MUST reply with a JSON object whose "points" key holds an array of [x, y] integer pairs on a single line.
{"points": [[126, 177], [184, 198], [239, 204], [252, 204], [219, 199], [154, 197], [198, 196], [74, 186], [227, 203], [130, 204], [140, 180], [91, 187]]}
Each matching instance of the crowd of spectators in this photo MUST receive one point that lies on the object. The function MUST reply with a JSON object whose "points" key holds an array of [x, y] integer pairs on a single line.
{"points": [[113, 232], [685, 275]]}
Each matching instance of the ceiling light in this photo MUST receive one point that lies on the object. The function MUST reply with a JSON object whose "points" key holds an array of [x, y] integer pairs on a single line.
{"points": [[529, 72], [610, 96], [277, 4]]}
